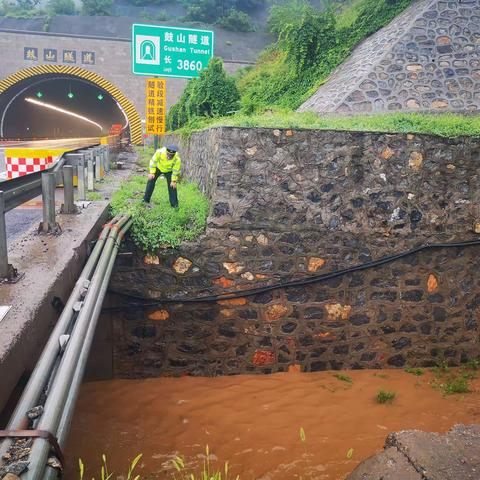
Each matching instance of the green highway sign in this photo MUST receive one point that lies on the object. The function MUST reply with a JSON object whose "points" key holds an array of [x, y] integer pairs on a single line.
{"points": [[170, 51]]}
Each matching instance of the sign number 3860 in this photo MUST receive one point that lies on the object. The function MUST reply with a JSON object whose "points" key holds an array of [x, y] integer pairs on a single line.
{"points": [[189, 65]]}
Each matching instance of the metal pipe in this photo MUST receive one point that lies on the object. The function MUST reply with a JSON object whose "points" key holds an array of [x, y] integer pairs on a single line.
{"points": [[3, 240], [69, 407], [56, 399], [45, 363]]}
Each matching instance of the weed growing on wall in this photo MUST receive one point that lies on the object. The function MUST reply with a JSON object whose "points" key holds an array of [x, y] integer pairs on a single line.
{"points": [[161, 226]]}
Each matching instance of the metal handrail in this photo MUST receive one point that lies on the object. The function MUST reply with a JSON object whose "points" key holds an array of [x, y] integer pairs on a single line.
{"points": [[61, 369]]}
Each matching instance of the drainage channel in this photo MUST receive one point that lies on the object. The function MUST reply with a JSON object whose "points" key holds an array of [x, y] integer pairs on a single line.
{"points": [[37, 430]]}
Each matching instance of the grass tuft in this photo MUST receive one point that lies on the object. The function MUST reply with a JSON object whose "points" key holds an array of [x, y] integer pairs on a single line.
{"points": [[415, 371], [384, 396], [343, 377]]}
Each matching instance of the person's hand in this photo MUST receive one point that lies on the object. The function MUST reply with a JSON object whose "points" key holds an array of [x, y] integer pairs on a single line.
{"points": [[173, 184], [151, 176]]}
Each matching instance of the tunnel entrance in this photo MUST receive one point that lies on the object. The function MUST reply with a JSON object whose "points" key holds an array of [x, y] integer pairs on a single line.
{"points": [[53, 106], [53, 101]]}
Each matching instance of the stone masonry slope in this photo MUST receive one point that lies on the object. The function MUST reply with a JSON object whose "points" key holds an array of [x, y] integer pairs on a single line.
{"points": [[427, 59]]}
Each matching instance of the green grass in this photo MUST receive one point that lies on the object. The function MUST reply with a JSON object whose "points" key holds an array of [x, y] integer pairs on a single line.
{"points": [[384, 396], [161, 226], [446, 125], [450, 382], [457, 384], [144, 156], [343, 377], [94, 196], [414, 371]]}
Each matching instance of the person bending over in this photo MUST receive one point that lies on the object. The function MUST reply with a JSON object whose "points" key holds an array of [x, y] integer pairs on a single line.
{"points": [[165, 161]]}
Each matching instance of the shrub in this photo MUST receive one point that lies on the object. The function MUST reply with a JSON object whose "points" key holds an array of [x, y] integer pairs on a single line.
{"points": [[384, 396], [212, 94], [61, 7], [96, 7], [236, 21]]}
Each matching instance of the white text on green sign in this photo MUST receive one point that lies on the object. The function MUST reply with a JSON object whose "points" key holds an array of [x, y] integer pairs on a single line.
{"points": [[169, 51]]}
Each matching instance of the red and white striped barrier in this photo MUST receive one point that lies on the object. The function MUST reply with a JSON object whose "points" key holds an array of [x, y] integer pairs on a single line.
{"points": [[23, 161], [18, 166]]}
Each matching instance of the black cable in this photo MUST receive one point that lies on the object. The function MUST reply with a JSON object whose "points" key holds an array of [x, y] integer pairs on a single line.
{"points": [[292, 283]]}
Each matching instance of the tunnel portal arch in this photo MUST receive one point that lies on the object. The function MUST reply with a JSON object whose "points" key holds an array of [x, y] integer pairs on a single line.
{"points": [[81, 73]]}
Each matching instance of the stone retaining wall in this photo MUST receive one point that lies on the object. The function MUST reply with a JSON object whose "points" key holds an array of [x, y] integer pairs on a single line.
{"points": [[292, 204]]}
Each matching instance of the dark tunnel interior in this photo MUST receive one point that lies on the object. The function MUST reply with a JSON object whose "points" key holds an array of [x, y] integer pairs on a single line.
{"points": [[30, 109]]}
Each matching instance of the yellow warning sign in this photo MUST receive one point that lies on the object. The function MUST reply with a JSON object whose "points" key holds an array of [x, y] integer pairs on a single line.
{"points": [[155, 110]]}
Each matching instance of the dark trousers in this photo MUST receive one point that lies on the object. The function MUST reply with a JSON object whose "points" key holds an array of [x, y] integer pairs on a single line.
{"points": [[172, 192]]}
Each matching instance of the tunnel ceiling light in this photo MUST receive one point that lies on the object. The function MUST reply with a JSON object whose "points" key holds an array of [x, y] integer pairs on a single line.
{"points": [[61, 110]]}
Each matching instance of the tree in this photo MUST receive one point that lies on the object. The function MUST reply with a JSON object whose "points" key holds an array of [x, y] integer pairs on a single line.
{"points": [[212, 94], [249, 5], [237, 22], [96, 7], [27, 4], [61, 7]]}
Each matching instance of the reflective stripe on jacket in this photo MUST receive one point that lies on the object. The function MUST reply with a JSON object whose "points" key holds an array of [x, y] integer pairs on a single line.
{"points": [[160, 161]]}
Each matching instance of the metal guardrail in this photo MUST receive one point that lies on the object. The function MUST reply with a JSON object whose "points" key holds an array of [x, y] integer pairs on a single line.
{"points": [[88, 164], [55, 382]]}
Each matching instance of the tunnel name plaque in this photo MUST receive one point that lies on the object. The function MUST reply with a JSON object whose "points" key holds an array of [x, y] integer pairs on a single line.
{"points": [[169, 51]]}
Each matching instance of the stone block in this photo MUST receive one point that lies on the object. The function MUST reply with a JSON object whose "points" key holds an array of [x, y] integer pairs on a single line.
{"points": [[387, 465]]}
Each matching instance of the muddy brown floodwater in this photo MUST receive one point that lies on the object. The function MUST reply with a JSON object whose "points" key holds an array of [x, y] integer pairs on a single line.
{"points": [[254, 422]]}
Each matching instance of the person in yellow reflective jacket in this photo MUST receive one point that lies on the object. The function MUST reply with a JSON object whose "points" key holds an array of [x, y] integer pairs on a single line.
{"points": [[165, 161]]}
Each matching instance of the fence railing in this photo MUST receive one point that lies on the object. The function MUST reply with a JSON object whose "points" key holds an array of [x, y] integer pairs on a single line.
{"points": [[88, 164]]}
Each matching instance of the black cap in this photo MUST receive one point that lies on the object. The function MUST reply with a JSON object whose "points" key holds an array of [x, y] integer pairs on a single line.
{"points": [[172, 148]]}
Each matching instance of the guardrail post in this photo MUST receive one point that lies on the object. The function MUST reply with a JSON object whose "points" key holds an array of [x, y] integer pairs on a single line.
{"points": [[4, 271], [81, 178], [48, 195], [90, 174], [98, 163], [106, 152], [68, 203]]}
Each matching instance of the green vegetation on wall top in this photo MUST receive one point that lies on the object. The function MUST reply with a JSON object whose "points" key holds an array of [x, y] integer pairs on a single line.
{"points": [[444, 125]]}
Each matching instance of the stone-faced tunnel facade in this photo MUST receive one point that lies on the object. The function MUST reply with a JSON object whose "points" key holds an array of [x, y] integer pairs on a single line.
{"points": [[289, 204], [103, 61]]}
